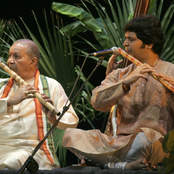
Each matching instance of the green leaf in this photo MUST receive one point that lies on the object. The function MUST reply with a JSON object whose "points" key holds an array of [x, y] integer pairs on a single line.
{"points": [[79, 13], [170, 162], [167, 17], [159, 11], [152, 7], [86, 19], [74, 28], [62, 151], [6, 28]]}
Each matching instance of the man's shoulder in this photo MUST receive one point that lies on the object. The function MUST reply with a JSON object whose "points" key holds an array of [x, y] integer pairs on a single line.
{"points": [[166, 63], [50, 80]]}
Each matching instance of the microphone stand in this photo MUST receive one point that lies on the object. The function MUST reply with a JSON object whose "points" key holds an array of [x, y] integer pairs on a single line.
{"points": [[30, 164]]}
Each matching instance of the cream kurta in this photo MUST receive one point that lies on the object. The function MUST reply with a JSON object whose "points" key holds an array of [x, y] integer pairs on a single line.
{"points": [[146, 107], [18, 127]]}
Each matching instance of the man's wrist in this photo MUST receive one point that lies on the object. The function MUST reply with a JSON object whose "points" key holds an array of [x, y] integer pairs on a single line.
{"points": [[10, 102]]}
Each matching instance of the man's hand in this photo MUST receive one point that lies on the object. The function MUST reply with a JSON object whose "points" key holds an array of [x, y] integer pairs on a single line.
{"points": [[51, 116], [24, 92], [139, 72], [112, 64]]}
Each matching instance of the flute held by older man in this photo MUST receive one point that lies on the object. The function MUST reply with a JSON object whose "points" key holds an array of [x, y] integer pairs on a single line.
{"points": [[37, 95]]}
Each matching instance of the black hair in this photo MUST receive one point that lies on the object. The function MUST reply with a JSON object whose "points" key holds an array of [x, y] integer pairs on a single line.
{"points": [[148, 29]]}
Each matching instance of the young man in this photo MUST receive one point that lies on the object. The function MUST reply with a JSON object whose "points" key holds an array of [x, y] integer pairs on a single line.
{"points": [[24, 120], [145, 111]]}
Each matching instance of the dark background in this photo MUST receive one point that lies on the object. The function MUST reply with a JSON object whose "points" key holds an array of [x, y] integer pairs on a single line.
{"points": [[13, 9]]}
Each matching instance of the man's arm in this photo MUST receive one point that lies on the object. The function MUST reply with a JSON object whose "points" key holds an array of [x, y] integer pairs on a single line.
{"points": [[112, 64], [50, 115], [59, 98], [115, 86]]}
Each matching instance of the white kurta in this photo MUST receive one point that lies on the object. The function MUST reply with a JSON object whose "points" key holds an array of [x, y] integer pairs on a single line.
{"points": [[18, 127]]}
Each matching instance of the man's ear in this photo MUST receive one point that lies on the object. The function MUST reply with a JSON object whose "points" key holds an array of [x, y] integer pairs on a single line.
{"points": [[34, 61], [150, 46]]}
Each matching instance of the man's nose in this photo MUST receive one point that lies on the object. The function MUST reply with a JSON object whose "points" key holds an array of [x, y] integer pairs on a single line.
{"points": [[10, 60], [125, 43]]}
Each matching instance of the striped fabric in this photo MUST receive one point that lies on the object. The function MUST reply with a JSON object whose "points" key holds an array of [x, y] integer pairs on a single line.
{"points": [[50, 138]]}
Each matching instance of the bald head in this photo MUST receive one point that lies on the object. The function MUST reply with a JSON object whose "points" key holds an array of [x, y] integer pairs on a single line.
{"points": [[32, 48]]}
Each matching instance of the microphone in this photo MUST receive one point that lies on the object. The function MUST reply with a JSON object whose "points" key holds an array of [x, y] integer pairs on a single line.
{"points": [[113, 50]]}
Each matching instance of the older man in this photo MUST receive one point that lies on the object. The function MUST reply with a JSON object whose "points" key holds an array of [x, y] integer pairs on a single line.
{"points": [[24, 121]]}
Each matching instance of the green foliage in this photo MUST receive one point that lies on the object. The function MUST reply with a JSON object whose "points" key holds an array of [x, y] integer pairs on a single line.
{"points": [[62, 151], [9, 32], [106, 32], [85, 19], [57, 56], [108, 26], [4, 26], [83, 107], [168, 147], [166, 20]]}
